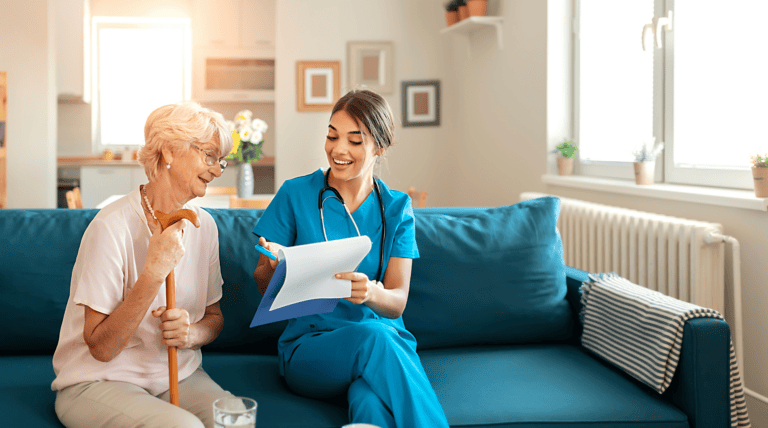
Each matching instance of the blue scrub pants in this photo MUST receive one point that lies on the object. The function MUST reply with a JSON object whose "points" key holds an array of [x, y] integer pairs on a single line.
{"points": [[376, 365]]}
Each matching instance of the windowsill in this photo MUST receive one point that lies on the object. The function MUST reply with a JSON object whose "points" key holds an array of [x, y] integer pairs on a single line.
{"points": [[678, 192]]}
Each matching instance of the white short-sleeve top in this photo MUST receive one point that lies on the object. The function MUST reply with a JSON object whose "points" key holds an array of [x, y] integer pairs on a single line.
{"points": [[111, 257]]}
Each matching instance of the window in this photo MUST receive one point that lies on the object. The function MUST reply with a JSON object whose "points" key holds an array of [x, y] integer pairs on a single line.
{"points": [[701, 92], [139, 64]]}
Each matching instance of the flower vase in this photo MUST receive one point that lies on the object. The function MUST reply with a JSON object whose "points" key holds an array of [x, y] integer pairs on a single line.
{"points": [[760, 178], [245, 180], [644, 172]]}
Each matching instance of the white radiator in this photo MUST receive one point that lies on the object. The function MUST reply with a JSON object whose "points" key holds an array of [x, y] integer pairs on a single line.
{"points": [[677, 257]]}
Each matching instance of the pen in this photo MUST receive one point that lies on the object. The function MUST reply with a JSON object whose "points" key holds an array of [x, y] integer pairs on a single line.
{"points": [[265, 251]]}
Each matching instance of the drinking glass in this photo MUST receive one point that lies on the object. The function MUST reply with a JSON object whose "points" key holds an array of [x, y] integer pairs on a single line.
{"points": [[234, 412]]}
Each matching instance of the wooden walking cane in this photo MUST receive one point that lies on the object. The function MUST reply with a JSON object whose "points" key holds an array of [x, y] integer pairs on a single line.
{"points": [[170, 296]]}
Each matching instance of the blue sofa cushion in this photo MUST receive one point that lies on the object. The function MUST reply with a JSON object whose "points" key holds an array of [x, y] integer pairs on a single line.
{"points": [[488, 276], [541, 385], [37, 252]]}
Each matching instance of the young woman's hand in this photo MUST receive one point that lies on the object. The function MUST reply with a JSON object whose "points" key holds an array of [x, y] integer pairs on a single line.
{"points": [[273, 248], [363, 289]]}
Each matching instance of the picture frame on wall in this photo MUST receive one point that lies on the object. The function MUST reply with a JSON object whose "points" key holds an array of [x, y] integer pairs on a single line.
{"points": [[371, 64], [318, 84], [421, 103]]}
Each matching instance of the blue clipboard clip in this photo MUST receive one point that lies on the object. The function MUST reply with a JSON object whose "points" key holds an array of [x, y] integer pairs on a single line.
{"points": [[265, 251]]}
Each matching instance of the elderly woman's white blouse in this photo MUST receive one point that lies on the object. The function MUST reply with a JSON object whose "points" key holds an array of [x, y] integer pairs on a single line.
{"points": [[111, 257]]}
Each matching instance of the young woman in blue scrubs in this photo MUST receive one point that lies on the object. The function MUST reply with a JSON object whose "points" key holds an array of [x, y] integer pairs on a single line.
{"points": [[361, 348]]}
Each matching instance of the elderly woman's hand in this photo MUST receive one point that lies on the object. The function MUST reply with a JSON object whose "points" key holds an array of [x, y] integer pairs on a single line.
{"points": [[175, 327], [165, 250]]}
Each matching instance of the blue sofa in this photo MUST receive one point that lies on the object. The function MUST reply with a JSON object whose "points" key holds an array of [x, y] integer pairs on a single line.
{"points": [[491, 303]]}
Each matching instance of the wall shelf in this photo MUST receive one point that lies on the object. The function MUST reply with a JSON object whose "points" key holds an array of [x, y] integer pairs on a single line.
{"points": [[468, 26]]}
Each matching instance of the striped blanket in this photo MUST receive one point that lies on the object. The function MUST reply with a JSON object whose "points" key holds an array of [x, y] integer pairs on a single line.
{"points": [[641, 331]]}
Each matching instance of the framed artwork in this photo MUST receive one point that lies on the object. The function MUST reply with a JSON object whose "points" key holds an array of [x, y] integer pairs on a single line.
{"points": [[371, 64], [317, 85], [421, 103]]}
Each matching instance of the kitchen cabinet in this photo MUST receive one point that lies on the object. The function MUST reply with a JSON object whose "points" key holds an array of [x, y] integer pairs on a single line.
{"points": [[97, 183], [240, 24], [73, 40]]}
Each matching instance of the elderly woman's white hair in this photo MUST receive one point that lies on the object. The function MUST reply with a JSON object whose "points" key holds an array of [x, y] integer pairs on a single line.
{"points": [[175, 126]]}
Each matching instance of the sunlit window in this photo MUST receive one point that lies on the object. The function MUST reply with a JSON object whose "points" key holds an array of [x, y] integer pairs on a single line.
{"points": [[720, 84], [615, 79], [139, 65], [704, 96]]}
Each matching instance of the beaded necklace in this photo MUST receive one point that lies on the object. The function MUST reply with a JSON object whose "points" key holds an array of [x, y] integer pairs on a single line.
{"points": [[146, 201]]}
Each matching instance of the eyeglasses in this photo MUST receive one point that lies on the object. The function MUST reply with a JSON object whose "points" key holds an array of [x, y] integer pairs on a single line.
{"points": [[210, 158]]}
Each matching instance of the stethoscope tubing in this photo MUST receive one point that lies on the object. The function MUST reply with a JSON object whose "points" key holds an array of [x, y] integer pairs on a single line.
{"points": [[337, 195]]}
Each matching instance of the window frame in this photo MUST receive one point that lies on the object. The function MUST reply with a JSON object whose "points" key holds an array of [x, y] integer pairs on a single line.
{"points": [[663, 120], [101, 22]]}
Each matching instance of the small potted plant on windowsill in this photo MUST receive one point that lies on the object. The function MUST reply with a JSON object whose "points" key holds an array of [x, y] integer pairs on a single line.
{"points": [[760, 175], [645, 162], [567, 152]]}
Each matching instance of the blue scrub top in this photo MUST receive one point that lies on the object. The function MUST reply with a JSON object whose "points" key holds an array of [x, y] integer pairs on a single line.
{"points": [[293, 218]]}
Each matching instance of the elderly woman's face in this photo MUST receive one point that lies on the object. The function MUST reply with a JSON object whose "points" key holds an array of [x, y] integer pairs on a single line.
{"points": [[193, 172]]}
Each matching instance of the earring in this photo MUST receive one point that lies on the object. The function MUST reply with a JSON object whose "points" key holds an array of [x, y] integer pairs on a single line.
{"points": [[168, 166]]}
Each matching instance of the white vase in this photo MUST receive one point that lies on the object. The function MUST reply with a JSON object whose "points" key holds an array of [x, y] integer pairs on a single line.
{"points": [[245, 180]]}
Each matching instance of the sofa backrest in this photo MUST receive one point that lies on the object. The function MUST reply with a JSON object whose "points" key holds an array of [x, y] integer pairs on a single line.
{"points": [[37, 252], [489, 276], [486, 275]]}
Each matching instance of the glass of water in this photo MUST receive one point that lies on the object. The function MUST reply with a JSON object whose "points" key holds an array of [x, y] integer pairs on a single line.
{"points": [[234, 412]]}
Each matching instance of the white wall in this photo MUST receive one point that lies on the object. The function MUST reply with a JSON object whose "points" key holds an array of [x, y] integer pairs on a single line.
{"points": [[320, 30], [500, 107], [28, 54]]}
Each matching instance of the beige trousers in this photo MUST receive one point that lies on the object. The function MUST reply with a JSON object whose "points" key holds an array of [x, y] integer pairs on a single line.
{"points": [[112, 404]]}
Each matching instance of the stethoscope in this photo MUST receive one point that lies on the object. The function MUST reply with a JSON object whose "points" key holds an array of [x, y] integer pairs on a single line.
{"points": [[337, 195]]}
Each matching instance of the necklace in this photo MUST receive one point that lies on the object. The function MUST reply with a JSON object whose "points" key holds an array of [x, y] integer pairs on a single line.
{"points": [[146, 201]]}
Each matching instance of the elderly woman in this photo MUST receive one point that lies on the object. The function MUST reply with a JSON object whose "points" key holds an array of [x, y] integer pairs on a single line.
{"points": [[111, 362]]}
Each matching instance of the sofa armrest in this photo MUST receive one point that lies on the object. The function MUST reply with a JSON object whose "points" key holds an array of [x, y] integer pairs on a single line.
{"points": [[701, 383]]}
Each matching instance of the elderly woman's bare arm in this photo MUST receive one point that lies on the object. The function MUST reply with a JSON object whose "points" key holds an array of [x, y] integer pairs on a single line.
{"points": [[107, 335]]}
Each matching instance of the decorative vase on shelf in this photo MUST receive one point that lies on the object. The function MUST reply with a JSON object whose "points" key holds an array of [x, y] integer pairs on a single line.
{"points": [[565, 166], [760, 178], [477, 7], [644, 172], [245, 180]]}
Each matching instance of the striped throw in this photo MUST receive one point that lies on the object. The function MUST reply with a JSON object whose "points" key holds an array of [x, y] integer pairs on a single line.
{"points": [[641, 331]]}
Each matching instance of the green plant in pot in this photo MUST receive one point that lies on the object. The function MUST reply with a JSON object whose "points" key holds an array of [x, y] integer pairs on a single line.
{"points": [[567, 151], [760, 175], [645, 161]]}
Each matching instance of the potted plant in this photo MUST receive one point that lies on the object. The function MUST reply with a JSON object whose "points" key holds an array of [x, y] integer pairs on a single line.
{"points": [[477, 7], [760, 175], [567, 152], [645, 162], [248, 138], [463, 10], [452, 12]]}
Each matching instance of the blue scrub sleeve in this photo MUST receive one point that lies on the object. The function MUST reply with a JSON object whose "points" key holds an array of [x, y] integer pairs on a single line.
{"points": [[278, 223], [404, 244]]}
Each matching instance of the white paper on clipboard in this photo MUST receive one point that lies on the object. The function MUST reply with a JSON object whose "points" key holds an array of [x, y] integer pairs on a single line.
{"points": [[311, 270]]}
